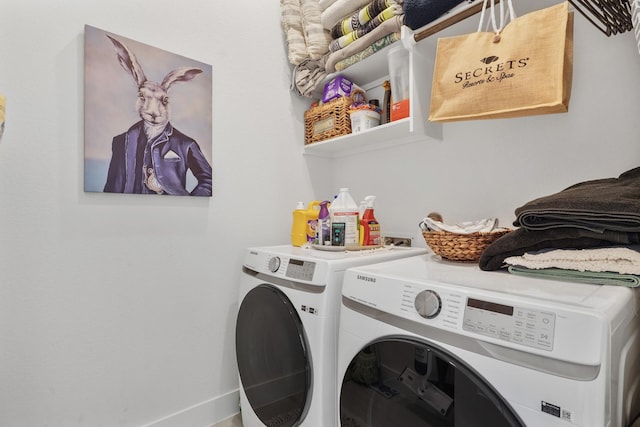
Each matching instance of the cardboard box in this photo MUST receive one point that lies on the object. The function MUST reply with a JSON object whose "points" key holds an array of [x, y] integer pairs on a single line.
{"points": [[339, 86]]}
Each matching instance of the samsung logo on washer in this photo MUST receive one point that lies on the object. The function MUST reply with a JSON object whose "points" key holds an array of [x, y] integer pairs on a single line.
{"points": [[366, 278]]}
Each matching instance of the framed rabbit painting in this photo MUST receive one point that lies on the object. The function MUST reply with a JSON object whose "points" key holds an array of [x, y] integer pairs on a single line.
{"points": [[148, 119]]}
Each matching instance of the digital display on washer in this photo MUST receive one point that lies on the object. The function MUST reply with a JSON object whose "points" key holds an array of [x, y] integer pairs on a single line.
{"points": [[530, 327], [490, 306], [301, 270]]}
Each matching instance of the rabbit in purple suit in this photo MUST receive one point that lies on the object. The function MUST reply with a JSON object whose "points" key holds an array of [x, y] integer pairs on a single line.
{"points": [[153, 157]]}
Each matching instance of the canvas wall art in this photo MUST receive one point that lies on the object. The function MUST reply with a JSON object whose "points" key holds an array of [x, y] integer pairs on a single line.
{"points": [[148, 119]]}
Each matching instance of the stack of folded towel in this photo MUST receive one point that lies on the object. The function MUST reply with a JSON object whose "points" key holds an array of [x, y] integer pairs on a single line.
{"points": [[301, 23], [359, 28], [325, 36], [588, 232]]}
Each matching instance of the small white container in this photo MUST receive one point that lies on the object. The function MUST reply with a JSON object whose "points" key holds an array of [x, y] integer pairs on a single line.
{"points": [[364, 119]]}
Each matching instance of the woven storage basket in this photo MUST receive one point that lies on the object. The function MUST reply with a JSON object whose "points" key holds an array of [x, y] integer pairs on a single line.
{"points": [[461, 247], [327, 120]]}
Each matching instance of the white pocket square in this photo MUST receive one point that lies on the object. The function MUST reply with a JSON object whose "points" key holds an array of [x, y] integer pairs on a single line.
{"points": [[171, 155]]}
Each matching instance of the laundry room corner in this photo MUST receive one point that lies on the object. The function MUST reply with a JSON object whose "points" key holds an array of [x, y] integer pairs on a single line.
{"points": [[144, 309], [119, 309]]}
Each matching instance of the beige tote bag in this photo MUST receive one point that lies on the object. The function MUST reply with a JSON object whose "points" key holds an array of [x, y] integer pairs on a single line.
{"points": [[524, 68]]}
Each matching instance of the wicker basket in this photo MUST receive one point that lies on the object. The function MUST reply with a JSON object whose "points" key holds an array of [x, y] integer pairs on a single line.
{"points": [[461, 247], [327, 120]]}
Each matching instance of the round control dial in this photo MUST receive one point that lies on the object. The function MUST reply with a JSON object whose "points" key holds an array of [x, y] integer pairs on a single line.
{"points": [[274, 264], [428, 304]]}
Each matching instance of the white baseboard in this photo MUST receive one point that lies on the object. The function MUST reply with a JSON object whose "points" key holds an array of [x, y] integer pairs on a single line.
{"points": [[204, 414]]}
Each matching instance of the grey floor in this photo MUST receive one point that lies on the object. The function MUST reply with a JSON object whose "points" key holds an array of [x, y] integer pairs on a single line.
{"points": [[235, 421]]}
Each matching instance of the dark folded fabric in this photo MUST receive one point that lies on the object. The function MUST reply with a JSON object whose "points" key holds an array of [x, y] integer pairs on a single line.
{"points": [[597, 205], [521, 241], [418, 13]]}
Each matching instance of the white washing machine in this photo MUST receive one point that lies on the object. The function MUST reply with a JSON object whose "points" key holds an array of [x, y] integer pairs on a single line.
{"points": [[286, 332], [424, 342]]}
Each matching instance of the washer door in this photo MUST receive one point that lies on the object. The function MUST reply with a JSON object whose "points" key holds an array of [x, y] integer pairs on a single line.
{"points": [[272, 354], [403, 382]]}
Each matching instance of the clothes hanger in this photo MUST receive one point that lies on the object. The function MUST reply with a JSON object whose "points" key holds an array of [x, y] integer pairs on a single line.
{"points": [[609, 16]]}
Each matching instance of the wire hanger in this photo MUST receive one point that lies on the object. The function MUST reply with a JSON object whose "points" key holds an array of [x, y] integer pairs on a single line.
{"points": [[609, 16]]}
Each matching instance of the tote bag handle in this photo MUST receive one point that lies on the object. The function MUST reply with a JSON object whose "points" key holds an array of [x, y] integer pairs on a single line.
{"points": [[497, 29]]}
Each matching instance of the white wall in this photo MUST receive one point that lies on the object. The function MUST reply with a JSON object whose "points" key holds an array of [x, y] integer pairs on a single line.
{"points": [[119, 309]]}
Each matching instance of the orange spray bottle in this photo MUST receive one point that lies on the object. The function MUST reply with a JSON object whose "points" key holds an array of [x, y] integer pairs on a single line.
{"points": [[369, 226]]}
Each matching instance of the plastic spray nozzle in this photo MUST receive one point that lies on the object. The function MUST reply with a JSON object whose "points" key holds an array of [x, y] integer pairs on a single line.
{"points": [[370, 200]]}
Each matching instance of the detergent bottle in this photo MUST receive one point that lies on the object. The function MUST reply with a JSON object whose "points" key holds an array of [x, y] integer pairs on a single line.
{"points": [[303, 229], [344, 220], [323, 228], [361, 208], [369, 226]]}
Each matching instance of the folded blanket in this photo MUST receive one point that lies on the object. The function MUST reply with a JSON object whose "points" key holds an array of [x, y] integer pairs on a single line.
{"points": [[615, 259], [291, 22], [316, 37], [307, 76], [360, 18], [520, 241], [324, 4], [368, 51], [421, 12], [595, 278], [392, 25], [388, 13], [597, 205], [306, 38], [340, 9]]}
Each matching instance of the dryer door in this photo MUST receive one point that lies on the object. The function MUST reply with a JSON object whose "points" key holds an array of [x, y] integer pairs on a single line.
{"points": [[272, 355], [403, 382]]}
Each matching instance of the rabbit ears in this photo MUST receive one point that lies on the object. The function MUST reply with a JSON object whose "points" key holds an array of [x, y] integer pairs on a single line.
{"points": [[130, 63]]}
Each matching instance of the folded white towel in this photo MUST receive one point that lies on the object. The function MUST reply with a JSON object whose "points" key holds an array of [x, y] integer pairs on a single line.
{"points": [[617, 259], [465, 227]]}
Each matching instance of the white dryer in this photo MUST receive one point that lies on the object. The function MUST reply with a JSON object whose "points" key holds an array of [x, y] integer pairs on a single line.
{"points": [[286, 332], [424, 342]]}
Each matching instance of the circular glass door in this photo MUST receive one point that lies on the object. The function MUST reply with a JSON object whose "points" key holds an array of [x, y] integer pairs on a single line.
{"points": [[272, 355], [402, 382]]}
